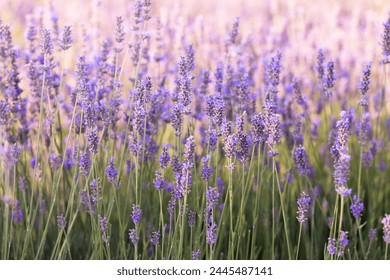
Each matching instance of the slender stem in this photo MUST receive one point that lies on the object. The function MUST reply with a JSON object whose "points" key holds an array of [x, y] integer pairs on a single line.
{"points": [[283, 213], [273, 210], [299, 240]]}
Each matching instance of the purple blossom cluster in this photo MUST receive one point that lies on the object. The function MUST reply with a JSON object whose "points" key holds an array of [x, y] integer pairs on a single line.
{"points": [[160, 133]]}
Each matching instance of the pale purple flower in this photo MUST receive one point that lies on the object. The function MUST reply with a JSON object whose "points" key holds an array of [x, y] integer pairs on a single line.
{"points": [[302, 161], [364, 85], [196, 254], [155, 238], [207, 170], [137, 214], [342, 243], [372, 234], [133, 236], [303, 207], [386, 228], [386, 41], [164, 157], [191, 218], [211, 234], [61, 221], [331, 246], [159, 181], [112, 173], [329, 79], [356, 207]]}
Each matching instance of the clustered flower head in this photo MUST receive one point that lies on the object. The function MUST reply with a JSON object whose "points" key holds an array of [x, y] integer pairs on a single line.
{"points": [[386, 41], [137, 213], [356, 207], [339, 152], [303, 207], [386, 228], [112, 173], [301, 161], [339, 247]]}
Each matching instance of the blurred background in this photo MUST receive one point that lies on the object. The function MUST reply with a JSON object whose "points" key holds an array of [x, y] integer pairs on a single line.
{"points": [[348, 31]]}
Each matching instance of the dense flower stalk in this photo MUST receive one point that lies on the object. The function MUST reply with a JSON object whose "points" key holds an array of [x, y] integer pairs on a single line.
{"points": [[303, 207], [386, 41], [137, 214], [386, 228], [357, 207], [364, 86], [302, 161]]}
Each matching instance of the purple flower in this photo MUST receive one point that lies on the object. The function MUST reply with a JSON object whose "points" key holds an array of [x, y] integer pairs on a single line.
{"points": [[207, 171], [46, 42], [301, 161], [93, 140], [211, 234], [15, 153], [273, 79], [22, 184], [329, 79], [119, 33], [230, 142], [372, 233], [16, 212], [159, 182], [133, 236], [356, 207], [367, 158], [66, 39], [155, 238], [112, 173], [331, 246], [191, 218], [61, 221], [341, 175], [103, 227], [386, 228], [84, 163], [258, 129], [234, 32], [164, 157], [386, 41], [364, 85], [303, 207], [212, 196], [342, 243], [364, 129], [137, 214], [196, 254], [320, 64], [274, 133], [177, 118]]}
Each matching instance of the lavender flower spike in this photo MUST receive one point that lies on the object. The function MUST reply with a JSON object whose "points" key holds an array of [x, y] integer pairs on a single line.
{"points": [[155, 238], [386, 228], [302, 161], [331, 246], [357, 207], [303, 207], [386, 42], [196, 254], [133, 236], [137, 214], [61, 221], [343, 242], [112, 173]]}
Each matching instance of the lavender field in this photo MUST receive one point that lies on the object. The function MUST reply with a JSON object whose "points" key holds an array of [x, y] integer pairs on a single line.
{"points": [[174, 130]]}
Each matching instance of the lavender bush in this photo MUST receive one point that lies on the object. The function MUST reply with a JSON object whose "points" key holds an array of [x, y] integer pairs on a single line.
{"points": [[163, 134]]}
